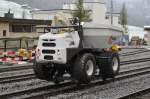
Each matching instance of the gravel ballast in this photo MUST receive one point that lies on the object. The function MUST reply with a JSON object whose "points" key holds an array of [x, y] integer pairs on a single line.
{"points": [[113, 90]]}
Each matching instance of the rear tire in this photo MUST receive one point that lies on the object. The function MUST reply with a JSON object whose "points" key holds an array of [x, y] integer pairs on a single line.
{"points": [[84, 68], [109, 65]]}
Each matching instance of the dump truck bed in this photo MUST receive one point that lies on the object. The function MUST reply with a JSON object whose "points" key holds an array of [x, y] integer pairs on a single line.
{"points": [[100, 36]]}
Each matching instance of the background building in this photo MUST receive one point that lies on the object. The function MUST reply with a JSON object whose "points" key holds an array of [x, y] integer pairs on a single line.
{"points": [[134, 31], [64, 10], [10, 27], [16, 32], [147, 28], [97, 7], [49, 14]]}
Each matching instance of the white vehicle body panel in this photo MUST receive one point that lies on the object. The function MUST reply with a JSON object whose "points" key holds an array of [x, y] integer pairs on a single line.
{"points": [[61, 41]]}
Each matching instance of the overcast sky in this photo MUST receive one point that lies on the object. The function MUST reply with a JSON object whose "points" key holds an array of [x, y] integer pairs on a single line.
{"points": [[138, 10]]}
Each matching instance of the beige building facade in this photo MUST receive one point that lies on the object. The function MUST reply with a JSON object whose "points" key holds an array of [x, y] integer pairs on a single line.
{"points": [[98, 10], [10, 27], [20, 33], [147, 28]]}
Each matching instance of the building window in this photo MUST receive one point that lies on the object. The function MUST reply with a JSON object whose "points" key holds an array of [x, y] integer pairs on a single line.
{"points": [[107, 17], [4, 32], [22, 28], [119, 20]]}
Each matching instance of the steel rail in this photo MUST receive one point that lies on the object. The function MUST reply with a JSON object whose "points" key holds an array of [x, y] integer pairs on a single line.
{"points": [[136, 94], [14, 68], [56, 89], [24, 77], [135, 61], [17, 78], [134, 52]]}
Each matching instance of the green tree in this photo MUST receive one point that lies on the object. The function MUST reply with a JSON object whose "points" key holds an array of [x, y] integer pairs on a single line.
{"points": [[80, 12], [124, 17]]}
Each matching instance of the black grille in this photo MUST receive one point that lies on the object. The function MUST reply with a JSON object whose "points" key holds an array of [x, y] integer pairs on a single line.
{"points": [[52, 40], [45, 39], [48, 51], [48, 57], [48, 39], [49, 44]]}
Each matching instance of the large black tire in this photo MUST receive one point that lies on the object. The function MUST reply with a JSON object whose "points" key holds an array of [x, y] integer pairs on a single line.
{"points": [[109, 65], [84, 68], [43, 71]]}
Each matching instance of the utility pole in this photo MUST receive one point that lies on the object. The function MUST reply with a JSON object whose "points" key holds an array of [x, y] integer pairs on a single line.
{"points": [[111, 11]]}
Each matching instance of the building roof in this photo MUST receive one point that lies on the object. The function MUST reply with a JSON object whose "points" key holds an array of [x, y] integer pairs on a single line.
{"points": [[17, 38], [53, 10], [113, 13], [50, 10], [26, 21], [147, 28]]}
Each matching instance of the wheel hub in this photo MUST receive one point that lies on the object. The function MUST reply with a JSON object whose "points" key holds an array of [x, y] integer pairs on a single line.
{"points": [[89, 67], [115, 64]]}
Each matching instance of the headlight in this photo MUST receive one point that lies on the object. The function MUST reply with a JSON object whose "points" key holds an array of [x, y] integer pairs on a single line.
{"points": [[58, 52]]}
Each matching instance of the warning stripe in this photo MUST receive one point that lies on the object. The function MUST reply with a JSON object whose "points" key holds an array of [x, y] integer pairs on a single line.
{"points": [[8, 54]]}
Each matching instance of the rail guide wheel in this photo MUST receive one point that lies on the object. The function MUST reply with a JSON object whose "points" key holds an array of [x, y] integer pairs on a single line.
{"points": [[43, 71]]}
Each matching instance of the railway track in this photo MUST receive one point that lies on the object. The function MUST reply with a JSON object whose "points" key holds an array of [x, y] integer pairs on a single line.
{"points": [[26, 66], [137, 95], [4, 68], [135, 61], [52, 90], [134, 52], [112, 90], [29, 66], [17, 78], [56, 89], [30, 75]]}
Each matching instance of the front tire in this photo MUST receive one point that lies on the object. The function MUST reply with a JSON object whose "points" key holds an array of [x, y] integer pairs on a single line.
{"points": [[84, 68]]}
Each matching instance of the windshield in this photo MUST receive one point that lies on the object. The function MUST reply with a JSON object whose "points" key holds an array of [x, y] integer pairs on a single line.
{"points": [[58, 30]]}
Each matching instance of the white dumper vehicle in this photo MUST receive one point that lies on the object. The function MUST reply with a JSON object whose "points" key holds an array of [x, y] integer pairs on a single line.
{"points": [[78, 50]]}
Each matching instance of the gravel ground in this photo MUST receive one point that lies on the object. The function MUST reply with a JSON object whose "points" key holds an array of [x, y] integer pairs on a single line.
{"points": [[23, 85], [145, 96], [113, 90]]}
